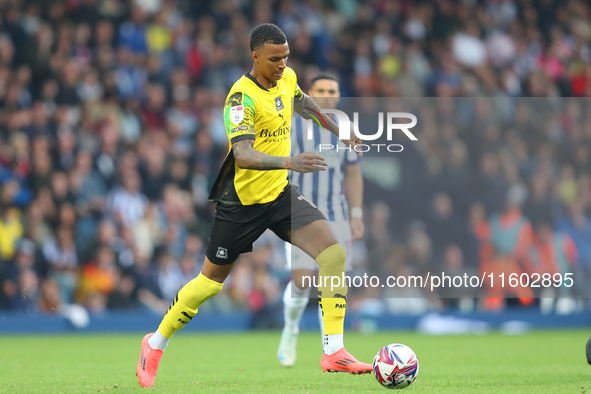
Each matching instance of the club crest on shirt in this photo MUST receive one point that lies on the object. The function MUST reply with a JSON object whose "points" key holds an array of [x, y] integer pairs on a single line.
{"points": [[237, 114], [278, 103]]}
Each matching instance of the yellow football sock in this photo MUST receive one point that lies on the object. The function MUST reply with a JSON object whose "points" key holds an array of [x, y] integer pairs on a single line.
{"points": [[187, 301], [333, 302]]}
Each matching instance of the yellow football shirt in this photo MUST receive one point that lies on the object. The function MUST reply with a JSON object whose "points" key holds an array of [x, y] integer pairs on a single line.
{"points": [[264, 115]]}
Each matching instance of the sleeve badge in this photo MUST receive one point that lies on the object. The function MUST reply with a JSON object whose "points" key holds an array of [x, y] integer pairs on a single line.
{"points": [[237, 114]]}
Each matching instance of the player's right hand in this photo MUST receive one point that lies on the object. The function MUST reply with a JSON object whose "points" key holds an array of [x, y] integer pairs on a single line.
{"points": [[308, 162]]}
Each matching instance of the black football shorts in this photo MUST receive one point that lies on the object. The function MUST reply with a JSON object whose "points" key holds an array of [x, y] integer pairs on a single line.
{"points": [[237, 227]]}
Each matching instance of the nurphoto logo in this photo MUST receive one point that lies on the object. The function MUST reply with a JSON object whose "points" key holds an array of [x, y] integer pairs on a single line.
{"points": [[345, 126]]}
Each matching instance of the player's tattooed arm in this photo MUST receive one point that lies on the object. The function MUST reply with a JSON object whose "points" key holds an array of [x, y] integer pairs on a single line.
{"points": [[302, 106], [304, 101], [249, 158], [252, 159]]}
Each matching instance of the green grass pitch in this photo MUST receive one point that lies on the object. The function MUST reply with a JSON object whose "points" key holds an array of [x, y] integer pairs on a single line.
{"points": [[537, 362]]}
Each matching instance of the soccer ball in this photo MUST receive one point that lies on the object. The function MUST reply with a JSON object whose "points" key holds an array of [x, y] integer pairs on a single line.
{"points": [[395, 366]]}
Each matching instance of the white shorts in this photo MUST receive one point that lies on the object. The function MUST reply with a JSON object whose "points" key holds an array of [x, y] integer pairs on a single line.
{"points": [[298, 259]]}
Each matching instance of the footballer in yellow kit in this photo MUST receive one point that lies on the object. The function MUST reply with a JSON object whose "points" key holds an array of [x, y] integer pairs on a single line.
{"points": [[251, 200], [247, 104], [253, 194]]}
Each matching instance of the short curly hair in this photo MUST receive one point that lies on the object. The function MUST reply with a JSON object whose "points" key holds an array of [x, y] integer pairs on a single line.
{"points": [[267, 32]]}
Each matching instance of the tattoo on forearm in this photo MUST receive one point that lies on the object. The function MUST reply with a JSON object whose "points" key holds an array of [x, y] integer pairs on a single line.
{"points": [[255, 160]]}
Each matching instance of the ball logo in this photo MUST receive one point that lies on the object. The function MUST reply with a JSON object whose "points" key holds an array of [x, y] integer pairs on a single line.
{"points": [[237, 114], [389, 368]]}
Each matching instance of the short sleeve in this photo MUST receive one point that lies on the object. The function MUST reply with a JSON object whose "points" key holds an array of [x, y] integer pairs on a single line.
{"points": [[298, 93], [239, 113]]}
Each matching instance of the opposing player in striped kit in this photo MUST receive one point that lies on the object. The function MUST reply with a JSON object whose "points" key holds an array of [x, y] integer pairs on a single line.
{"points": [[326, 190]]}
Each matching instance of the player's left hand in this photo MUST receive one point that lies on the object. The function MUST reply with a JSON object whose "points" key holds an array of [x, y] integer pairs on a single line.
{"points": [[357, 228]]}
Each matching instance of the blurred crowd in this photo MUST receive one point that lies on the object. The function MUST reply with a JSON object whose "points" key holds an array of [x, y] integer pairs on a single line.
{"points": [[495, 186], [111, 135]]}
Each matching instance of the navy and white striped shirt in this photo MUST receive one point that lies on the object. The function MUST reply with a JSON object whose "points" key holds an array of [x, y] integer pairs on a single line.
{"points": [[323, 188]]}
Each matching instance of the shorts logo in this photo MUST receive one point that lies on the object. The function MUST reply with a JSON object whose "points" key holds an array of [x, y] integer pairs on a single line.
{"points": [[237, 114], [301, 197], [278, 103], [222, 253]]}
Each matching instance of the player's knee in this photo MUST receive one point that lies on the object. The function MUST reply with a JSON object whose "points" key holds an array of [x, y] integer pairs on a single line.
{"points": [[205, 287], [302, 279], [215, 278], [333, 258], [215, 272]]}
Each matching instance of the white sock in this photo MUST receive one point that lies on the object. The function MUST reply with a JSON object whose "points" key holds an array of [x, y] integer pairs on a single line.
{"points": [[332, 343], [294, 307], [158, 341], [321, 321]]}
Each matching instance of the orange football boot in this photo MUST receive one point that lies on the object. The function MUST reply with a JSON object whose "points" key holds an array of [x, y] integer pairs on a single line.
{"points": [[342, 361], [147, 365]]}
